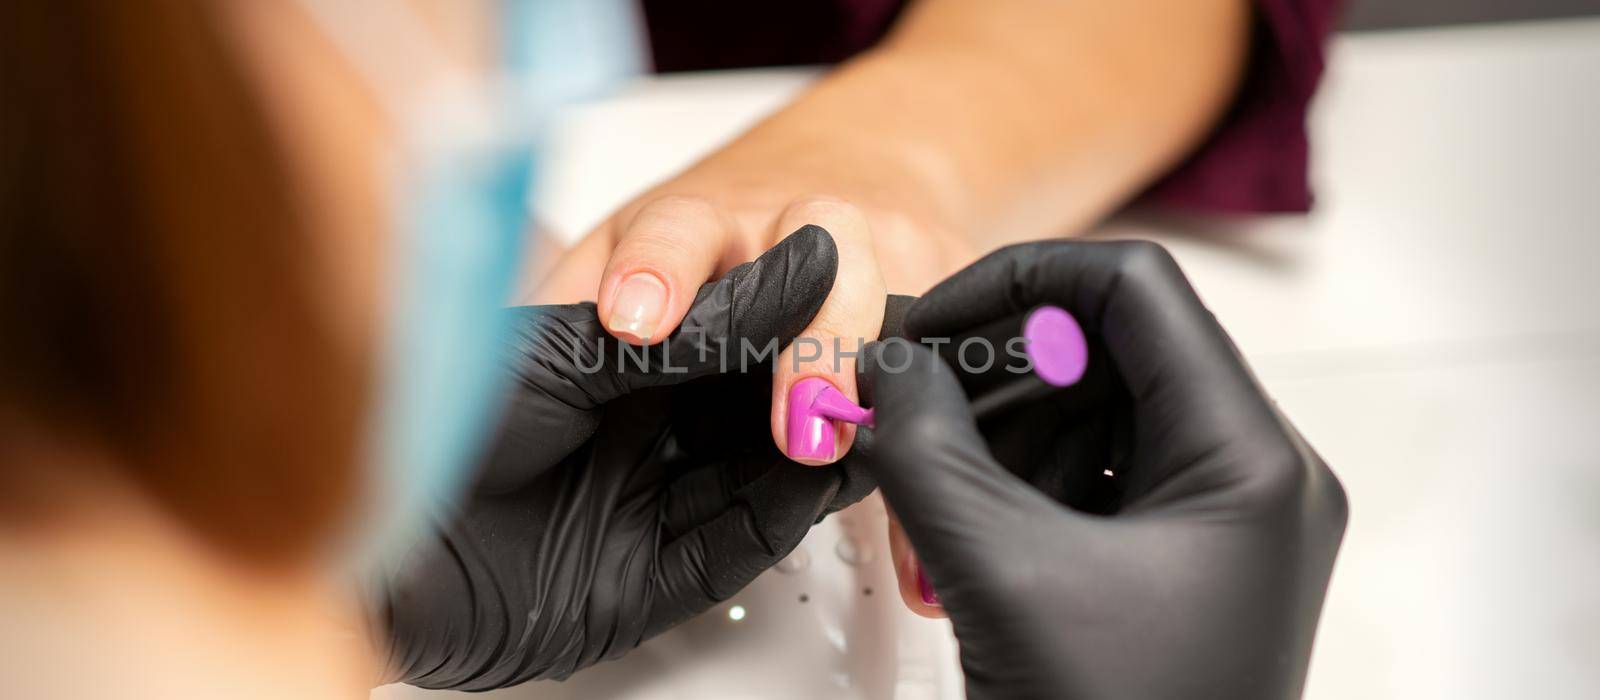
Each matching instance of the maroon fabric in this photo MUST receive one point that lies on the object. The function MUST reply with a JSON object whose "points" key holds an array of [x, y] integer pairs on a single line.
{"points": [[687, 35], [1255, 160]]}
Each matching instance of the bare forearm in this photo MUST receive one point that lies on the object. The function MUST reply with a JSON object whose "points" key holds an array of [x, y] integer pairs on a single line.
{"points": [[1015, 118]]}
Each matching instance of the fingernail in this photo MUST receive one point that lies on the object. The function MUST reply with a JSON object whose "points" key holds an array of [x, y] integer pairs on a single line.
{"points": [[814, 405], [637, 308], [929, 597], [811, 436]]}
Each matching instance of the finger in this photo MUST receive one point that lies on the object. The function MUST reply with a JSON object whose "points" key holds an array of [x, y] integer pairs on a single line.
{"points": [[765, 303], [762, 304], [916, 592], [962, 512], [704, 493], [763, 524], [855, 482], [576, 276], [827, 348], [566, 367], [663, 254], [1189, 385], [894, 315]]}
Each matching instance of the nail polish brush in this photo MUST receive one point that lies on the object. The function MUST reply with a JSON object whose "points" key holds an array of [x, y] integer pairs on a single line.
{"points": [[1051, 341]]}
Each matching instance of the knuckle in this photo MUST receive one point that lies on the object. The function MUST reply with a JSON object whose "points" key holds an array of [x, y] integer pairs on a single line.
{"points": [[826, 211], [1145, 260], [1333, 502], [679, 205], [1030, 249], [666, 241], [831, 326], [673, 222], [925, 428], [1288, 475], [1015, 583], [1279, 475], [820, 204], [778, 542], [1148, 271], [852, 313], [912, 437], [1337, 512]]}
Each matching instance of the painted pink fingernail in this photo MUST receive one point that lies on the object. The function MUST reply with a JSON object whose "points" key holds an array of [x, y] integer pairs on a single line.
{"points": [[814, 406], [811, 436], [929, 596]]}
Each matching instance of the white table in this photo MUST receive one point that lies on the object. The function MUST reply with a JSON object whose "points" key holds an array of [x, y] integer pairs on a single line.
{"points": [[1432, 327]]}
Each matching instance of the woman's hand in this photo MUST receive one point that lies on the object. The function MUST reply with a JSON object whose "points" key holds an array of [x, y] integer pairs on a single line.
{"points": [[971, 124], [644, 263], [1158, 530]]}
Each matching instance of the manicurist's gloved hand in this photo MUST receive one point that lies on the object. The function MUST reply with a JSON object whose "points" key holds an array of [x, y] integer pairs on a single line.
{"points": [[1196, 569], [618, 500]]}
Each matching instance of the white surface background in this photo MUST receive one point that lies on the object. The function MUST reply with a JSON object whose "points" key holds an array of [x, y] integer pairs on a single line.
{"points": [[1433, 329]]}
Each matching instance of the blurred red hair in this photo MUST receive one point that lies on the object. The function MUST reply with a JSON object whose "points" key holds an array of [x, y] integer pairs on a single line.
{"points": [[154, 291]]}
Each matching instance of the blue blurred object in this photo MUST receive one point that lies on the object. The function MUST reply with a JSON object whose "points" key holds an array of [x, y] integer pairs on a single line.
{"points": [[461, 182]]}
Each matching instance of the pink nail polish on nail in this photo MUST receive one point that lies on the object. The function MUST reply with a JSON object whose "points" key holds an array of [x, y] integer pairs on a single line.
{"points": [[929, 596], [814, 406], [811, 436]]}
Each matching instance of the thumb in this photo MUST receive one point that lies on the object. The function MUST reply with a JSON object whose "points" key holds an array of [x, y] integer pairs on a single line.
{"points": [[953, 499]]}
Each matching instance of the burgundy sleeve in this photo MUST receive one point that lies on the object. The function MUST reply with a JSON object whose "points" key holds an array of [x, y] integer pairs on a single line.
{"points": [[1256, 158]]}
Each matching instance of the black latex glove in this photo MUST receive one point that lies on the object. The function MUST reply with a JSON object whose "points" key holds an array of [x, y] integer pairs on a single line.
{"points": [[619, 501], [1201, 571]]}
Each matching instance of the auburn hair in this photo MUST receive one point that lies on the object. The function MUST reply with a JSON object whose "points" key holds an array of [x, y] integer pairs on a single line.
{"points": [[154, 282]]}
